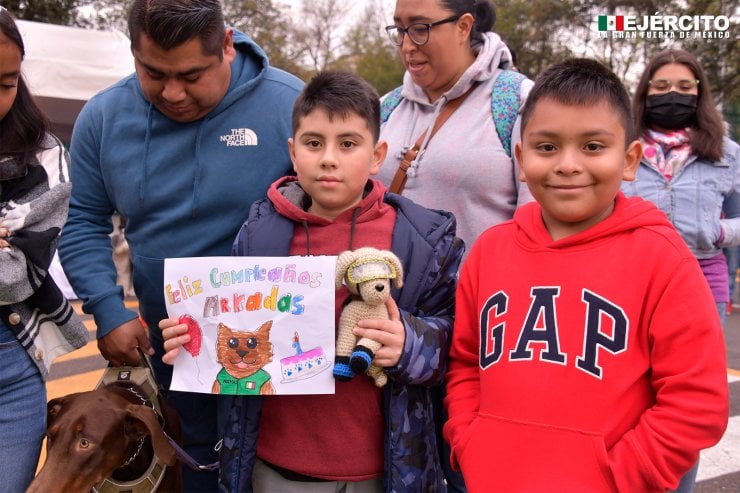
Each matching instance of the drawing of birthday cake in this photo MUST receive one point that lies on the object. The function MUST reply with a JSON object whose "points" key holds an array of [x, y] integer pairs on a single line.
{"points": [[304, 364]]}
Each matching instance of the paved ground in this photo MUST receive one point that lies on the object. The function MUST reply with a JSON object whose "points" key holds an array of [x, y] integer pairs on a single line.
{"points": [[719, 469]]}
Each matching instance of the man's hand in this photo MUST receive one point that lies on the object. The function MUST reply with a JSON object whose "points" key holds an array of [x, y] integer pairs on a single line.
{"points": [[119, 345]]}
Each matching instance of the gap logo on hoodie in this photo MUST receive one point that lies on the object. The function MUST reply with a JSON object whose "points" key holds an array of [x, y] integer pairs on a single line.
{"points": [[541, 327]]}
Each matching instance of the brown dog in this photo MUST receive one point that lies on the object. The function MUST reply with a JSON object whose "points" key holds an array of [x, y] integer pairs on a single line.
{"points": [[108, 432]]}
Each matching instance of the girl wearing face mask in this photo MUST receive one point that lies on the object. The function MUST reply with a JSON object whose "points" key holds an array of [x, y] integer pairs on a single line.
{"points": [[689, 168]]}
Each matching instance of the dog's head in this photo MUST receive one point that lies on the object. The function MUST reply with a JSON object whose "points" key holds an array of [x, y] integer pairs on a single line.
{"points": [[368, 272], [91, 434]]}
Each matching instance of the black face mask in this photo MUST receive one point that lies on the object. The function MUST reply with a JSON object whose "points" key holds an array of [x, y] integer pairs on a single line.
{"points": [[671, 111]]}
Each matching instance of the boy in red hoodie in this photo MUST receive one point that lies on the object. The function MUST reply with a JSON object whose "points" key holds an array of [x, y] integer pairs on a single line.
{"points": [[587, 353]]}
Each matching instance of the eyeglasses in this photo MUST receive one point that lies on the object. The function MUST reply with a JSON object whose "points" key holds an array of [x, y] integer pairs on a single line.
{"points": [[681, 85], [418, 32]]}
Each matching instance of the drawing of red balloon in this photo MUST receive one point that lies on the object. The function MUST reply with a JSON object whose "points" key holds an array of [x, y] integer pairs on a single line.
{"points": [[196, 336]]}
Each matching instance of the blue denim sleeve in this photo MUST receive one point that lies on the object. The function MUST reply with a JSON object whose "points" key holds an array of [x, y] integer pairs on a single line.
{"points": [[731, 205]]}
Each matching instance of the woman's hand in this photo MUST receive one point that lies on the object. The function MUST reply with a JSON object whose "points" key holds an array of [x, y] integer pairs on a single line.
{"points": [[390, 333], [175, 335]]}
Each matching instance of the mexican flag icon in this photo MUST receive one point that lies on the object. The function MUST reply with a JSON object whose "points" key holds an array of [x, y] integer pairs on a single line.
{"points": [[611, 23]]}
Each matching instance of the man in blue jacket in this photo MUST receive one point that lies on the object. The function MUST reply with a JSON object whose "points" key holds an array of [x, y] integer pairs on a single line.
{"points": [[181, 148]]}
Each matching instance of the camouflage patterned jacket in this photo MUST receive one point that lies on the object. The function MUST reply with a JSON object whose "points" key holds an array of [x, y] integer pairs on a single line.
{"points": [[425, 242]]}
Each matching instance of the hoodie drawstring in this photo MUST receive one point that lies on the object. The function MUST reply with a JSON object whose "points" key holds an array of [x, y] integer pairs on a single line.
{"points": [[308, 237], [355, 215], [196, 177]]}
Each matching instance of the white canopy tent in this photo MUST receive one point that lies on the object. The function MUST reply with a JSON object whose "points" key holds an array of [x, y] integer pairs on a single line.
{"points": [[65, 66]]}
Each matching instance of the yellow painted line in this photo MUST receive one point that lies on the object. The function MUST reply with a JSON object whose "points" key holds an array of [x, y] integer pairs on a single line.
{"points": [[73, 383], [89, 349], [733, 372], [42, 457], [132, 304], [129, 302]]}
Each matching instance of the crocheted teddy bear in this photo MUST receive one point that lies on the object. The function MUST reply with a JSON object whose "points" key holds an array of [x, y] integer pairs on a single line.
{"points": [[368, 273]]}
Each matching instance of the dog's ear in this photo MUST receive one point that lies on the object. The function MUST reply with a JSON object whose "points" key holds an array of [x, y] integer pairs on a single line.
{"points": [[54, 407], [142, 421], [343, 261]]}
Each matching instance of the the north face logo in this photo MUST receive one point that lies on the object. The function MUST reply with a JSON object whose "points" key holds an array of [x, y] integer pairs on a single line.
{"points": [[240, 137]]}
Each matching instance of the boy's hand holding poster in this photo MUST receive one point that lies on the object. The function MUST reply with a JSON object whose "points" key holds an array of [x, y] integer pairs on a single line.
{"points": [[257, 325]]}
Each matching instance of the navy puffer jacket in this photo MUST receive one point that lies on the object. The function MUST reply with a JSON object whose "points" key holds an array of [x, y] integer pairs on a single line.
{"points": [[425, 242]]}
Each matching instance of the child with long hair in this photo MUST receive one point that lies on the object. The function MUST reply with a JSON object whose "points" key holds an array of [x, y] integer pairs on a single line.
{"points": [[689, 168], [37, 324]]}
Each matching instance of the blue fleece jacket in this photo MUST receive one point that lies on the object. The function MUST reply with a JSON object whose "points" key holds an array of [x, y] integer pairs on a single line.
{"points": [[185, 188]]}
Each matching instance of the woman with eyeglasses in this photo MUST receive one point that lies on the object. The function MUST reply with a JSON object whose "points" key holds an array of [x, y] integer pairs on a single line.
{"points": [[689, 168], [466, 166]]}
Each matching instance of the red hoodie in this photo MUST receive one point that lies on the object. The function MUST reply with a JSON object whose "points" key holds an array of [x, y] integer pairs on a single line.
{"points": [[594, 363]]}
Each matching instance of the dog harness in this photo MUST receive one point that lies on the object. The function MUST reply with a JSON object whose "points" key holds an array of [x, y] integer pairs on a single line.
{"points": [[143, 377]]}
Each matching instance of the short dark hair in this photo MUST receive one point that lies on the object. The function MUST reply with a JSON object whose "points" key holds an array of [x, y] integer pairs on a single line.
{"points": [[24, 128], [581, 82], [339, 93], [482, 10], [707, 129], [170, 23]]}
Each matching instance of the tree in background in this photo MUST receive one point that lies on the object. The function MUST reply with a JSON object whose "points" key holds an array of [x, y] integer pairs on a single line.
{"points": [[320, 38], [373, 56], [103, 14], [49, 11], [541, 32], [270, 25], [720, 59], [317, 32]]}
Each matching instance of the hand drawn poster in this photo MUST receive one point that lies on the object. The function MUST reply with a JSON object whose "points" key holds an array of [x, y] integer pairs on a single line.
{"points": [[258, 325]]}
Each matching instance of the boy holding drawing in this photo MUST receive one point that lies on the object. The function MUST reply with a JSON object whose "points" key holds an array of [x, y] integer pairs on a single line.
{"points": [[372, 439], [587, 354]]}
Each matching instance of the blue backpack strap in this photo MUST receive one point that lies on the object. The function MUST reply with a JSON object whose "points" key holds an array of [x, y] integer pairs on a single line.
{"points": [[391, 101], [505, 101]]}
